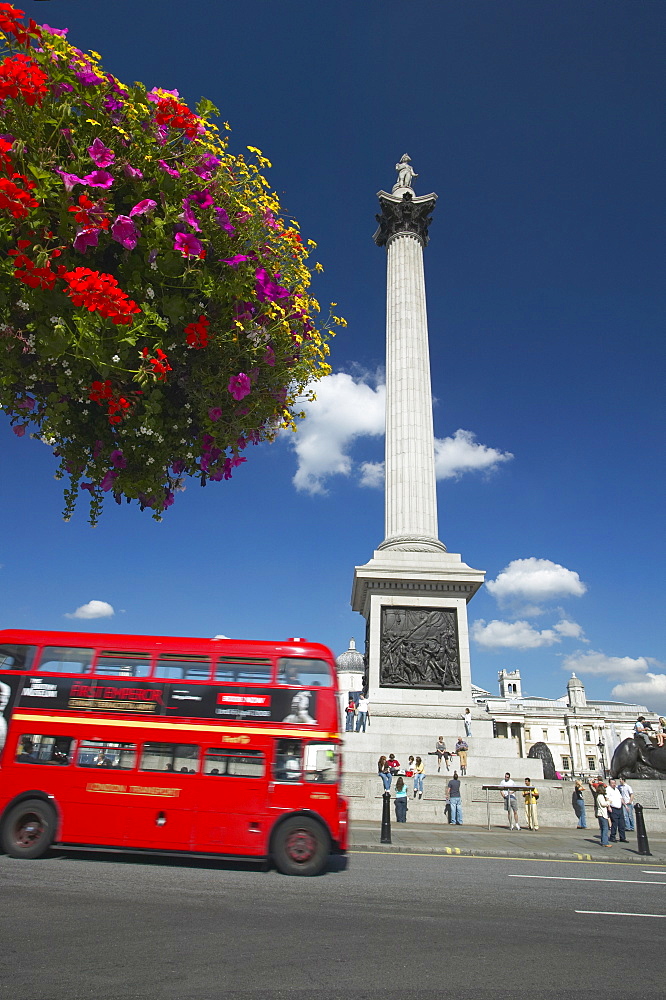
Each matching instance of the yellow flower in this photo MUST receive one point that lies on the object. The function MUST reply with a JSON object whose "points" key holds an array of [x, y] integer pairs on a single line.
{"points": [[91, 121], [318, 267]]}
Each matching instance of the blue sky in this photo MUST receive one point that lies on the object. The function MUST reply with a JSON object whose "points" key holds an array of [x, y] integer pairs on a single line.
{"points": [[540, 127]]}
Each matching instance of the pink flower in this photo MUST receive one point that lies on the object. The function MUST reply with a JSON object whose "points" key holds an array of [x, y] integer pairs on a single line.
{"points": [[223, 221], [239, 386], [235, 261], [124, 231], [99, 179], [169, 170], [69, 180], [133, 173], [147, 205], [269, 356], [188, 245], [86, 238], [19, 430], [26, 404], [188, 216], [215, 413], [107, 483], [100, 154], [203, 199], [117, 459]]}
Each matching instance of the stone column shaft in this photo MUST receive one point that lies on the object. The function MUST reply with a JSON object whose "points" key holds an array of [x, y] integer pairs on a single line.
{"points": [[410, 496]]}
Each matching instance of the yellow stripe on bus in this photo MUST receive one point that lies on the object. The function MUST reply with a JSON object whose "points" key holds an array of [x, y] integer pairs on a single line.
{"points": [[170, 726]]}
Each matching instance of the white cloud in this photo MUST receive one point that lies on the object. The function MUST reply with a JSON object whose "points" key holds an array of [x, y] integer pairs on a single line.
{"points": [[511, 635], [650, 690], [569, 630], [592, 662], [535, 580], [93, 609], [372, 474], [345, 408], [462, 453]]}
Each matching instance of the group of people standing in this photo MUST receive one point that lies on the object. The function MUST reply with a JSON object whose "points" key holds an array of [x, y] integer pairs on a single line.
{"points": [[613, 808], [359, 711]]}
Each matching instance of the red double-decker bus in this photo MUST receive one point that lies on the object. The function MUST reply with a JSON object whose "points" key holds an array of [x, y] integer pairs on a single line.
{"points": [[170, 744]]}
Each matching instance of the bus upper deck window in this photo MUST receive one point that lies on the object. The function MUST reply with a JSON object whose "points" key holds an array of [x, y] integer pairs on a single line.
{"points": [[123, 664], [65, 660], [14, 657], [177, 667], [304, 672], [243, 669]]}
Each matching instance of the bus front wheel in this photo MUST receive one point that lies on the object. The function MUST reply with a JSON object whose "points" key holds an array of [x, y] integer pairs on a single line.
{"points": [[301, 846], [28, 829]]}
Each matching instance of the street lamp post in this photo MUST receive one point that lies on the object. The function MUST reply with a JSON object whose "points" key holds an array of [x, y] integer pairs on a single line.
{"points": [[600, 745]]}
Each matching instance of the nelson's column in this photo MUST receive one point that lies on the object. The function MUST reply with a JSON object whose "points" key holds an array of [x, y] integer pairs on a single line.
{"points": [[412, 593]]}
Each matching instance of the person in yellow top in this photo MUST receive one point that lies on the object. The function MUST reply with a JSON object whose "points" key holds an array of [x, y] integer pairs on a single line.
{"points": [[531, 797]]}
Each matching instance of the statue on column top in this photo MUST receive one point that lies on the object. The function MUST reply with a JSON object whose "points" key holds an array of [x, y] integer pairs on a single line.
{"points": [[406, 173]]}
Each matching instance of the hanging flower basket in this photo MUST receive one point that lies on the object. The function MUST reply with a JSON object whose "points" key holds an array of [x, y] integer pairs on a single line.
{"points": [[155, 317]]}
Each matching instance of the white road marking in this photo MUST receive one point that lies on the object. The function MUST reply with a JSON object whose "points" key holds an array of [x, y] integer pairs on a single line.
{"points": [[646, 871], [577, 878], [619, 913]]}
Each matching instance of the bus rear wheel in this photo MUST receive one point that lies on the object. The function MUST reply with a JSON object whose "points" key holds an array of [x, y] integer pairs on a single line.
{"points": [[28, 829], [301, 846]]}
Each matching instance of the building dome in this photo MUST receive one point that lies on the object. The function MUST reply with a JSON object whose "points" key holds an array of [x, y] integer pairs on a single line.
{"points": [[351, 661]]}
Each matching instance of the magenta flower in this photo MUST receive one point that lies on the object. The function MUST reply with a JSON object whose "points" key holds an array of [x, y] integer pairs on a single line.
{"points": [[268, 290], [124, 231], [26, 404], [112, 104], [99, 179], [188, 216], [133, 173], [86, 238], [215, 413], [243, 216], [223, 221], [55, 31], [58, 89], [178, 466], [107, 483], [19, 430], [88, 77], [269, 356], [235, 261], [188, 245], [239, 386], [147, 205], [100, 154], [117, 459], [206, 167], [169, 170], [203, 199], [69, 180], [269, 220]]}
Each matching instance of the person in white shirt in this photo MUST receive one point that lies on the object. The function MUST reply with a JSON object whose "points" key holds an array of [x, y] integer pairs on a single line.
{"points": [[507, 785], [616, 814], [362, 713], [467, 719], [627, 793]]}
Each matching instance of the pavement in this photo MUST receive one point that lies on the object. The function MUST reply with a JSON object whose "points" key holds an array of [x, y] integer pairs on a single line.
{"points": [[552, 843]]}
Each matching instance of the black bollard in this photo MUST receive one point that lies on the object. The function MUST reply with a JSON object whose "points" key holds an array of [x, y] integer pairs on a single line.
{"points": [[641, 835], [386, 819]]}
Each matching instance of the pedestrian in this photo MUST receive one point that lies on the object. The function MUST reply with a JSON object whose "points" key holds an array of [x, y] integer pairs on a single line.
{"points": [[627, 793], [510, 804], [601, 806], [441, 751], [350, 712], [530, 798], [578, 803], [409, 770], [454, 800], [616, 812], [419, 768], [384, 773], [467, 719], [362, 716], [461, 750], [400, 801], [393, 763]]}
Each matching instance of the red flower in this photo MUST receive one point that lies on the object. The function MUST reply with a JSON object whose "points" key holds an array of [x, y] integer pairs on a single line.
{"points": [[170, 113], [102, 392], [160, 363], [10, 24], [20, 75], [28, 272], [15, 199], [196, 334], [99, 292]]}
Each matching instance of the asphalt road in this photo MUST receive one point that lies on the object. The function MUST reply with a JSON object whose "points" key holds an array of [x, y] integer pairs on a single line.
{"points": [[107, 926]]}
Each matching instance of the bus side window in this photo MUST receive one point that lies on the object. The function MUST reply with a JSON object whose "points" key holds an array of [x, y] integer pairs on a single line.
{"points": [[65, 660], [188, 668], [95, 753], [182, 758], [234, 763], [288, 765], [38, 749], [123, 664], [304, 672], [13, 657]]}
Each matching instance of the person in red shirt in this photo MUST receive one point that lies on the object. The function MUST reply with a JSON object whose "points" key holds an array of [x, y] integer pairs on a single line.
{"points": [[392, 763]]}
